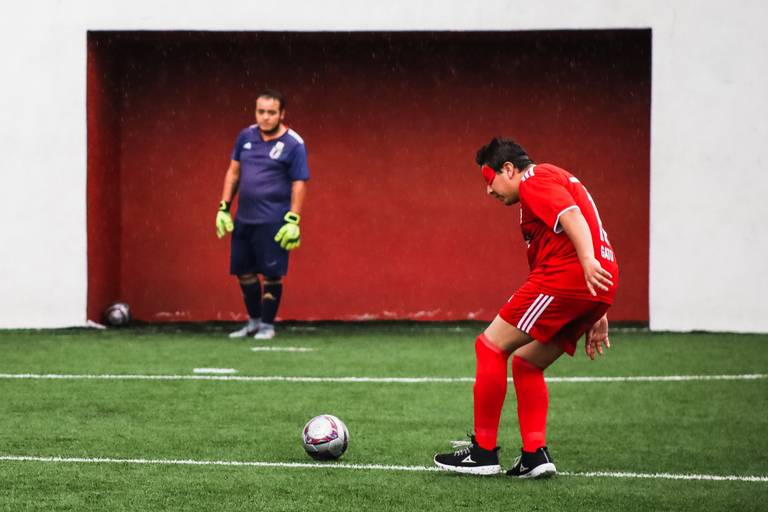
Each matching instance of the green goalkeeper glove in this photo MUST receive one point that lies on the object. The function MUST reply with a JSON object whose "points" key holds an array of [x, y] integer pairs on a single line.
{"points": [[289, 235], [224, 222]]}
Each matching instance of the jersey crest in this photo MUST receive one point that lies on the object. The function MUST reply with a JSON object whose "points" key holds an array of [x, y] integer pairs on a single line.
{"points": [[276, 151]]}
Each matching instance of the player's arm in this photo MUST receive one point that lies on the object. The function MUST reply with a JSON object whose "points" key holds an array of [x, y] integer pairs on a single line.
{"points": [[224, 222], [596, 337], [575, 226]]}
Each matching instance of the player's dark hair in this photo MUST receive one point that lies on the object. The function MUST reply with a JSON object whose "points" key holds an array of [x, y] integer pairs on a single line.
{"points": [[273, 94], [499, 150]]}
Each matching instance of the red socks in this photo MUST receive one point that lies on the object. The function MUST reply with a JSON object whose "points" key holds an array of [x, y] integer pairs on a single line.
{"points": [[490, 390], [532, 403]]}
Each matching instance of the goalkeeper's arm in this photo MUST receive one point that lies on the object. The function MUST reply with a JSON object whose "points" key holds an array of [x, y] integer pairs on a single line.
{"points": [[289, 235], [298, 193], [224, 222]]}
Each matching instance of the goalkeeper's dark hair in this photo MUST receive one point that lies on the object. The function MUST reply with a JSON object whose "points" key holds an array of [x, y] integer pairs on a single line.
{"points": [[499, 150], [273, 94]]}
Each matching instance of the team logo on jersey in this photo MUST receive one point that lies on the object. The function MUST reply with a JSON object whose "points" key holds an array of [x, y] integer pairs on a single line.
{"points": [[276, 151], [247, 145]]}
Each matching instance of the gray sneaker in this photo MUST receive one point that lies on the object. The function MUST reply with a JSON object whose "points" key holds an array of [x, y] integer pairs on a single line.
{"points": [[265, 332], [249, 329]]}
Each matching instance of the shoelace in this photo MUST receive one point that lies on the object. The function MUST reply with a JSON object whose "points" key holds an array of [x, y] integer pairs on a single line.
{"points": [[462, 447], [462, 452]]}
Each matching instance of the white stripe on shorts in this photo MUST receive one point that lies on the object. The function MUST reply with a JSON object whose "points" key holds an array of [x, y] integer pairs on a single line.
{"points": [[525, 316], [534, 312]]}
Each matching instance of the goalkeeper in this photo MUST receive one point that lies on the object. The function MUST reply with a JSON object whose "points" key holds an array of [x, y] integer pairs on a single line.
{"points": [[269, 169]]}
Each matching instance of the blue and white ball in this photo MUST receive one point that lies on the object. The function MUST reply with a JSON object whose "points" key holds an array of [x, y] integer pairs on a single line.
{"points": [[325, 437]]}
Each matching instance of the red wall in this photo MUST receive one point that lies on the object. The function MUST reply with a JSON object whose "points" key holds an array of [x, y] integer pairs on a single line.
{"points": [[104, 222], [396, 224]]}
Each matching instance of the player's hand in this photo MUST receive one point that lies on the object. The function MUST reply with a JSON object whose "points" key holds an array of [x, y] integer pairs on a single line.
{"points": [[595, 275], [224, 222], [596, 337], [289, 236]]}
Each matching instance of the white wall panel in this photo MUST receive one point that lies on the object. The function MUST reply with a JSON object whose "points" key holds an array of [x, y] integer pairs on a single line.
{"points": [[709, 251]]}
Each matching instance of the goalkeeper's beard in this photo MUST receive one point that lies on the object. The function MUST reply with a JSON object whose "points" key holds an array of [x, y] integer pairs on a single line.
{"points": [[273, 131]]}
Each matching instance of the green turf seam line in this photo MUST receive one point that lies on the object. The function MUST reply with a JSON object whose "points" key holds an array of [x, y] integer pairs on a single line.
{"points": [[373, 467], [376, 380]]}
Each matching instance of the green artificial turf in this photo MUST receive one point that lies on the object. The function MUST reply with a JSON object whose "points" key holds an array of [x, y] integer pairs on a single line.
{"points": [[710, 427]]}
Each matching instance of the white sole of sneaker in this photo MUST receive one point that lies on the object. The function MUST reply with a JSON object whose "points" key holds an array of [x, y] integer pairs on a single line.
{"points": [[235, 336], [542, 471], [481, 470]]}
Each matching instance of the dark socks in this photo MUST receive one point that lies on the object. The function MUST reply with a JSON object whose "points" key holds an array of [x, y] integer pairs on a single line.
{"points": [[273, 290], [252, 298]]}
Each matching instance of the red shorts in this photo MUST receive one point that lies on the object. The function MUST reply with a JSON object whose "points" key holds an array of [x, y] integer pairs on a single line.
{"points": [[546, 317]]}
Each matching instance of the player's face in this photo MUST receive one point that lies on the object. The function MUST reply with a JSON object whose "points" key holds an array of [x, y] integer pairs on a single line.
{"points": [[268, 115], [506, 185]]}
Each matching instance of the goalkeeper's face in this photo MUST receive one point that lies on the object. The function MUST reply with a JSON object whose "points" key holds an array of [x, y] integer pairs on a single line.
{"points": [[269, 115], [506, 185]]}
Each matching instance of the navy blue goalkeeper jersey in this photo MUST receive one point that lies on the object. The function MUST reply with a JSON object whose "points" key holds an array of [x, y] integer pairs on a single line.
{"points": [[267, 170]]}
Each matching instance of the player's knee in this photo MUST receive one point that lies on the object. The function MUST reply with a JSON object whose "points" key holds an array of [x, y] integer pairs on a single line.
{"points": [[540, 355], [247, 279], [505, 336], [486, 342]]}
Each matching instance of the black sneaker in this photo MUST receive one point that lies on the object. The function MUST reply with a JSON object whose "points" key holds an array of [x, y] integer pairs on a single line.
{"points": [[538, 464], [471, 459]]}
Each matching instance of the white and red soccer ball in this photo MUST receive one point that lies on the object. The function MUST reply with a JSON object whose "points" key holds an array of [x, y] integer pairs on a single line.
{"points": [[325, 437]]}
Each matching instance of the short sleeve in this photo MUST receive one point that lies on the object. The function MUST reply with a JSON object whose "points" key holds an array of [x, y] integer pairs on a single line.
{"points": [[547, 198], [238, 146], [298, 171]]}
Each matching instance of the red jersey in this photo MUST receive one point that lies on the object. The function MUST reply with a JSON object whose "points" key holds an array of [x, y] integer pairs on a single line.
{"points": [[546, 192]]}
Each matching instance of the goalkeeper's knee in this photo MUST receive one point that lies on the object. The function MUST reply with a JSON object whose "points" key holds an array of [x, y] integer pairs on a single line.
{"points": [[247, 279]]}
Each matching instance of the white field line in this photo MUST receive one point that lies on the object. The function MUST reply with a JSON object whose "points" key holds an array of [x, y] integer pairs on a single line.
{"points": [[215, 371], [667, 476], [377, 380], [188, 462], [370, 467], [282, 349]]}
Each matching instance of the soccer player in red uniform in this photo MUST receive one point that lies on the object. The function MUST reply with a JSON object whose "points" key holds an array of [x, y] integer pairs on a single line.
{"points": [[572, 282]]}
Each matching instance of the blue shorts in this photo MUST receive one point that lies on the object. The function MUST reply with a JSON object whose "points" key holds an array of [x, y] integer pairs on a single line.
{"points": [[254, 250]]}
